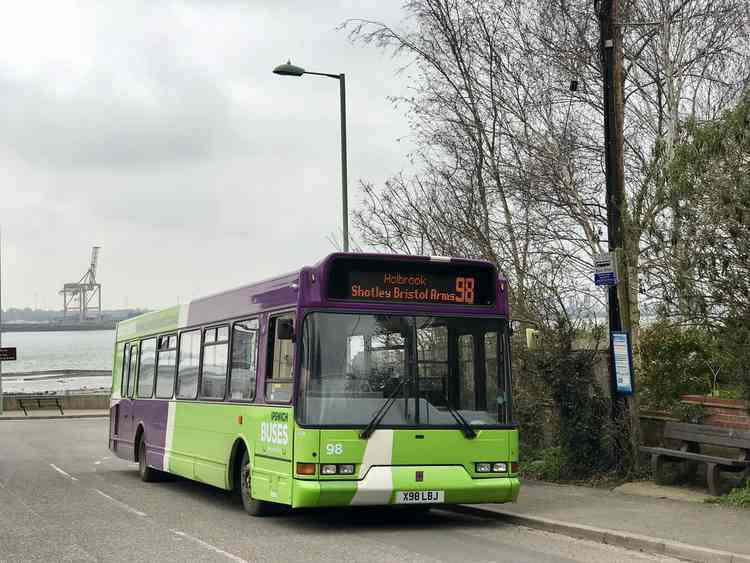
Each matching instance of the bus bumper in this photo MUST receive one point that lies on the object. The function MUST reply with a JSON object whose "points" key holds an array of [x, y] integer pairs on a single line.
{"points": [[381, 486]]}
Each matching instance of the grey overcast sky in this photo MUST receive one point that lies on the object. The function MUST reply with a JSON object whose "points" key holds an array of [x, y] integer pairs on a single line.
{"points": [[157, 131]]}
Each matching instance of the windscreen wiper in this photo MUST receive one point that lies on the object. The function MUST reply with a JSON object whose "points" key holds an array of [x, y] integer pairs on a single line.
{"points": [[378, 416], [468, 431]]}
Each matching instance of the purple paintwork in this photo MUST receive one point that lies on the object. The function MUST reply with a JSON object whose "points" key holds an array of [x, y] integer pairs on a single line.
{"points": [[247, 300], [151, 414]]}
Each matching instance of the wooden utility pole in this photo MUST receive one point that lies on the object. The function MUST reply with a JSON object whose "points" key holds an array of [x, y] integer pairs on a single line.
{"points": [[614, 114]]}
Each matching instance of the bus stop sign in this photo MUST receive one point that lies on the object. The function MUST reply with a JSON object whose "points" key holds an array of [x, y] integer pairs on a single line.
{"points": [[605, 269], [7, 353]]}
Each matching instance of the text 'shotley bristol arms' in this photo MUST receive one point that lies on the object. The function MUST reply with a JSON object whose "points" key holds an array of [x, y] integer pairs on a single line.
{"points": [[413, 288]]}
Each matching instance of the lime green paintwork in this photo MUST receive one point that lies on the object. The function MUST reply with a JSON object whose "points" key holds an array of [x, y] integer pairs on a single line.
{"points": [[204, 436], [149, 323]]}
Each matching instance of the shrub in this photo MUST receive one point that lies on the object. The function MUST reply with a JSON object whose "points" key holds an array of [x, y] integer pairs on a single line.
{"points": [[732, 343], [675, 361], [531, 404], [547, 465], [583, 410], [739, 496]]}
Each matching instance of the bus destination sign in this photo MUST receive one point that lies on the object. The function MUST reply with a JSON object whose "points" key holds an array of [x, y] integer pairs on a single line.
{"points": [[410, 287]]}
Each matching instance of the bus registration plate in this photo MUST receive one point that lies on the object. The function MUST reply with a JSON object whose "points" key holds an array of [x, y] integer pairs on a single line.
{"points": [[420, 497]]}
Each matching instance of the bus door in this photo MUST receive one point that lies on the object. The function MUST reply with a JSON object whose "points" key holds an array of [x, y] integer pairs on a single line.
{"points": [[114, 411], [479, 365], [125, 412]]}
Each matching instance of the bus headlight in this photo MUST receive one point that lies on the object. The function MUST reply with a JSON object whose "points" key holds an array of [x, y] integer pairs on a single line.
{"points": [[328, 469], [346, 469], [491, 467]]}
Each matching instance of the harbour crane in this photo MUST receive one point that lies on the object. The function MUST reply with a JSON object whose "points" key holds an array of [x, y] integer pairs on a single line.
{"points": [[78, 297]]}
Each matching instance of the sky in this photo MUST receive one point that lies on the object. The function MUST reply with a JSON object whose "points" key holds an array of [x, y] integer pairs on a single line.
{"points": [[157, 131]]}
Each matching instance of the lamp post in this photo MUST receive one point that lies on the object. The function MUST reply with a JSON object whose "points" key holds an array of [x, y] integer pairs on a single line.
{"points": [[289, 69]]}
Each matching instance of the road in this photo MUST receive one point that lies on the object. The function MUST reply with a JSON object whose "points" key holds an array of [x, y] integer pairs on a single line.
{"points": [[64, 498]]}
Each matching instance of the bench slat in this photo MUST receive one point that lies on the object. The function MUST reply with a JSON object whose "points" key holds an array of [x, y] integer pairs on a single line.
{"points": [[678, 454], [706, 434]]}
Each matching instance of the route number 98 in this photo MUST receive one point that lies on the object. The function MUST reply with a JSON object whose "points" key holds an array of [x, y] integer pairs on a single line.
{"points": [[334, 449], [465, 290]]}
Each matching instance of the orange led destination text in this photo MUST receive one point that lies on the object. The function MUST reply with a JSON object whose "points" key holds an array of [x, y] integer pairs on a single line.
{"points": [[400, 287]]}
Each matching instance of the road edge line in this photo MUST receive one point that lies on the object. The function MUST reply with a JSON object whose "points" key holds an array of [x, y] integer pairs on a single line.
{"points": [[627, 540]]}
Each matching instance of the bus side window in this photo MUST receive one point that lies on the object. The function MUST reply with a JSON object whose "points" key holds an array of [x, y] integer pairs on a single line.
{"points": [[214, 362], [244, 360], [165, 366], [132, 364], [146, 368], [187, 364], [280, 366], [125, 371]]}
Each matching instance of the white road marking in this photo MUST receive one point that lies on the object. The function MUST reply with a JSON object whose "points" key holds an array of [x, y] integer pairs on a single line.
{"points": [[61, 472], [97, 462], [209, 546], [121, 504]]}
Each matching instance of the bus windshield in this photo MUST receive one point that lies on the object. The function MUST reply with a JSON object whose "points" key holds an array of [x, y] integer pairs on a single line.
{"points": [[351, 364]]}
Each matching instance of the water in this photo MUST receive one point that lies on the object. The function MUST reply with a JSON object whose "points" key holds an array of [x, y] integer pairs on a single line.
{"points": [[38, 351]]}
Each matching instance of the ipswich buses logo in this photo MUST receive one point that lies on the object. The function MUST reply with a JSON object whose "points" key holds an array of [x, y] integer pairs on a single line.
{"points": [[277, 431]]}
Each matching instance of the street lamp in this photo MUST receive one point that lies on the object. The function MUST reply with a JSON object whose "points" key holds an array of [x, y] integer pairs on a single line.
{"points": [[289, 69]]}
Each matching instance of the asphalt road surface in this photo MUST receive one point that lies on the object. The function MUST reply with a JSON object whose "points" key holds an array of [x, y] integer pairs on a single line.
{"points": [[63, 497]]}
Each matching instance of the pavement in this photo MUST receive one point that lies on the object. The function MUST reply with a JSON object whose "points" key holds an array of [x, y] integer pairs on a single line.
{"points": [[49, 413], [63, 497], [685, 529]]}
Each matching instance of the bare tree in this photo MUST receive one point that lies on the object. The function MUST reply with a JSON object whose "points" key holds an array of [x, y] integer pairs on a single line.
{"points": [[499, 176]]}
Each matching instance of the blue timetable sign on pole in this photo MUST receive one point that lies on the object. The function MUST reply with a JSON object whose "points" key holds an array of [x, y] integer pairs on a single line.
{"points": [[605, 269], [623, 360]]}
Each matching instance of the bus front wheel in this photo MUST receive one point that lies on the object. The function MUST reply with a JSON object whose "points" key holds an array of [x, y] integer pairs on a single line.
{"points": [[252, 506]]}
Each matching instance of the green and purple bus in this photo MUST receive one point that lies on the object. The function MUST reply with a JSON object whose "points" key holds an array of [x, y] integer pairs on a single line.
{"points": [[366, 379]]}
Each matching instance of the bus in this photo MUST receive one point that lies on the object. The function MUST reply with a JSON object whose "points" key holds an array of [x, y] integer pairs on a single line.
{"points": [[366, 379]]}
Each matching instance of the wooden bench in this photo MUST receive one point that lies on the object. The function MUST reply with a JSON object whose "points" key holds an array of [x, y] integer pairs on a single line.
{"points": [[692, 436], [26, 403]]}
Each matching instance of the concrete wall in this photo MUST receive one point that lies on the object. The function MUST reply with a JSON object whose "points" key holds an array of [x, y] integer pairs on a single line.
{"points": [[82, 401]]}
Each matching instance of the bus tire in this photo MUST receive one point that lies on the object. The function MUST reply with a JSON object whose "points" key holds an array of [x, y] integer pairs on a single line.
{"points": [[147, 474], [252, 506]]}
